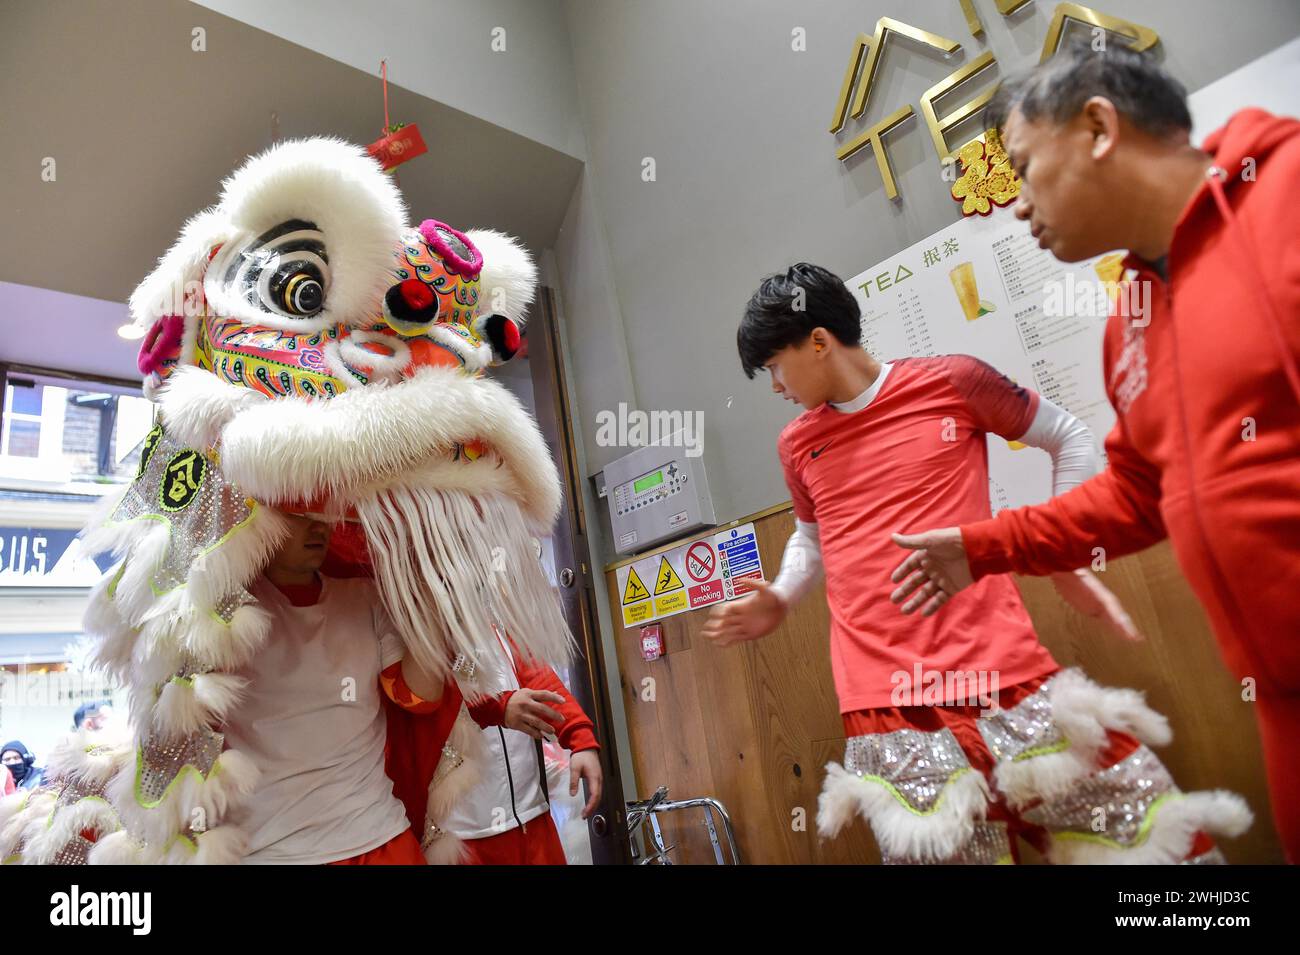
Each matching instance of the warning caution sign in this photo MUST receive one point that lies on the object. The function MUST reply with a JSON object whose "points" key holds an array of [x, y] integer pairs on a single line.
{"points": [[635, 590], [638, 613], [671, 603], [667, 579], [688, 577]]}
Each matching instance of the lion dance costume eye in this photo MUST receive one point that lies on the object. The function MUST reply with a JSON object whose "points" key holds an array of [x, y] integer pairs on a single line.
{"points": [[307, 350]]}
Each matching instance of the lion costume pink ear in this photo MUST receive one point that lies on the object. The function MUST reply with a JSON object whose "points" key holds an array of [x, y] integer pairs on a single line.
{"points": [[169, 300], [507, 286], [161, 345]]}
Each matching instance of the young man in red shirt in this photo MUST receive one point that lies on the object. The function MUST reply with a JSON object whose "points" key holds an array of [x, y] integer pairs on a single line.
{"points": [[961, 731], [1206, 449]]}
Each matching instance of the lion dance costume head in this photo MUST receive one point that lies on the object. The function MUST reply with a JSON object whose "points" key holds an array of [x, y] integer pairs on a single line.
{"points": [[309, 351]]}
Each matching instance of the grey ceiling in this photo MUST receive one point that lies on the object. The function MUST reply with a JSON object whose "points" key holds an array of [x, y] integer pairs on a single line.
{"points": [[143, 129]]}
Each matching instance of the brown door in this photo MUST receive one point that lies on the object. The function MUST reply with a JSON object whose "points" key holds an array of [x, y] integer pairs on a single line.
{"points": [[586, 675]]}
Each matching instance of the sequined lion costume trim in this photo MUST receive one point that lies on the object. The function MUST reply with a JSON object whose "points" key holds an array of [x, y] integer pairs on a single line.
{"points": [[926, 803]]}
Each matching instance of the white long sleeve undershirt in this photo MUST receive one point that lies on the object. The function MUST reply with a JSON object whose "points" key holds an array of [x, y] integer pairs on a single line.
{"points": [[801, 564], [1066, 438]]}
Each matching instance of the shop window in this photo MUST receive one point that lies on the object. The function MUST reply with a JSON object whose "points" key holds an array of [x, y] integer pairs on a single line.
{"points": [[59, 431]]}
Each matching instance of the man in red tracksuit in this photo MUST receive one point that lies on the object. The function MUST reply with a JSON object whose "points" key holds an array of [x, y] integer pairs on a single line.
{"points": [[506, 819], [1204, 379]]}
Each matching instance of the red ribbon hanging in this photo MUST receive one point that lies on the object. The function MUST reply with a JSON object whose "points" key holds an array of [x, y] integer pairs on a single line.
{"points": [[395, 146], [383, 72]]}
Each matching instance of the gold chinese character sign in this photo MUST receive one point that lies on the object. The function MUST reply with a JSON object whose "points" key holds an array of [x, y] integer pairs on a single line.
{"points": [[982, 186]]}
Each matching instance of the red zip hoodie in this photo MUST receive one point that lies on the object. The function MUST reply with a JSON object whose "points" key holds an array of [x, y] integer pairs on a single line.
{"points": [[1206, 448]]}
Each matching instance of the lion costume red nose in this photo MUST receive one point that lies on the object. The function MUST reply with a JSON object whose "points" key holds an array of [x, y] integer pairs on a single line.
{"points": [[417, 296], [412, 304]]}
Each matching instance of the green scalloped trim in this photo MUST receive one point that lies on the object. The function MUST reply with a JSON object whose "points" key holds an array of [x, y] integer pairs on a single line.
{"points": [[943, 794], [253, 508], [112, 584], [1144, 830], [1044, 750], [178, 680], [187, 768], [49, 820], [181, 837]]}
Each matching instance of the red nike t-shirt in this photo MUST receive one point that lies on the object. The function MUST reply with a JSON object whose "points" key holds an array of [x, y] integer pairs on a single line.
{"points": [[912, 459]]}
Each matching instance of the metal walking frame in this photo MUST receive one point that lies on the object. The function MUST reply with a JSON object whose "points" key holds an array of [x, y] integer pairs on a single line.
{"points": [[647, 810]]}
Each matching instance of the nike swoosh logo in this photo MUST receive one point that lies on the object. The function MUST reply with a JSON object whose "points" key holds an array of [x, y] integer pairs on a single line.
{"points": [[823, 448]]}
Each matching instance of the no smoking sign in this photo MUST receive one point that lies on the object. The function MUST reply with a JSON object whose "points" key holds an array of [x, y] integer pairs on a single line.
{"points": [[701, 560]]}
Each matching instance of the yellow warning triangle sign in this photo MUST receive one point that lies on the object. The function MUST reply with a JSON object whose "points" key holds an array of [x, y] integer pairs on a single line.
{"points": [[635, 590], [667, 579]]}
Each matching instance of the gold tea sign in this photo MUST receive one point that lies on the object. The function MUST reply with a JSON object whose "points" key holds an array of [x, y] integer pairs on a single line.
{"points": [[859, 79]]}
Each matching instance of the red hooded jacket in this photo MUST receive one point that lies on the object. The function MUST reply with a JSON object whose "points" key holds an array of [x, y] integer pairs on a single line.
{"points": [[576, 733], [1206, 449], [417, 730]]}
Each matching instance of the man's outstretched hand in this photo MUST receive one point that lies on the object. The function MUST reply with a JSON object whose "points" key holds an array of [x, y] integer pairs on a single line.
{"points": [[755, 615], [1088, 595], [930, 576]]}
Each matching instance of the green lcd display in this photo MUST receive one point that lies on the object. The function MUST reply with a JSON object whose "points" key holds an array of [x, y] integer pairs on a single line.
{"points": [[650, 480]]}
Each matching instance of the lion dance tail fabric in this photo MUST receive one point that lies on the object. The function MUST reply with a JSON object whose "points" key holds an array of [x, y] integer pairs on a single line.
{"points": [[308, 351]]}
